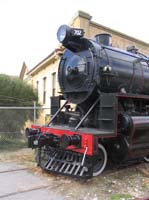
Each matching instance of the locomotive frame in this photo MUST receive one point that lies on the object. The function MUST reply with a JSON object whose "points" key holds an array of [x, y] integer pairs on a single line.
{"points": [[111, 118]]}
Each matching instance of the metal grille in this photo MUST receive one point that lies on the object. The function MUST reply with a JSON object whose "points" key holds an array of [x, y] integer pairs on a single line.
{"points": [[65, 162]]}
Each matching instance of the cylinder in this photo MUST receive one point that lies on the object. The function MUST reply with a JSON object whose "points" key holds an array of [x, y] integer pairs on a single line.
{"points": [[140, 136]]}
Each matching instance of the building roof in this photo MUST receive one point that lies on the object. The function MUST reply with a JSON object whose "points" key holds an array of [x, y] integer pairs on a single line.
{"points": [[41, 62], [53, 56], [24, 70]]}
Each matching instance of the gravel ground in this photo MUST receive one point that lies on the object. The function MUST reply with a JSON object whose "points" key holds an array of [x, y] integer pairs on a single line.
{"points": [[114, 184]]}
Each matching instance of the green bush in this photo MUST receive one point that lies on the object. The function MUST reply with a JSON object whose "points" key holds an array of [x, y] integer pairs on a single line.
{"points": [[15, 92], [7, 144], [121, 197]]}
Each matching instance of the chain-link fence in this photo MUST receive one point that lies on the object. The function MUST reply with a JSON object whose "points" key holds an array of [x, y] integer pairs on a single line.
{"points": [[13, 122]]}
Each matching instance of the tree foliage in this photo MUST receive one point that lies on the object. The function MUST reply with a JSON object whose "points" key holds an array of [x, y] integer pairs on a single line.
{"points": [[15, 92]]}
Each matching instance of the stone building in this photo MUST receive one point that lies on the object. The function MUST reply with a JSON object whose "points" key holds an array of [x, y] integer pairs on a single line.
{"points": [[43, 76]]}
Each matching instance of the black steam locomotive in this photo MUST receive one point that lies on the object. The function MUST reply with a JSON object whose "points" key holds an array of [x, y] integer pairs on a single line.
{"points": [[103, 110]]}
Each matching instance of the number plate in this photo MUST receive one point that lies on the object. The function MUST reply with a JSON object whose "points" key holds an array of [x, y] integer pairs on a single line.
{"points": [[77, 32]]}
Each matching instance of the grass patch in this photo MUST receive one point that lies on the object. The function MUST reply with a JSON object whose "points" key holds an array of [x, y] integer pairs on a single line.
{"points": [[121, 197], [8, 144]]}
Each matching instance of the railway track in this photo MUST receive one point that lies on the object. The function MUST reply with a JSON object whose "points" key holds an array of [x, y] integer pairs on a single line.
{"points": [[23, 191], [13, 170], [18, 183]]}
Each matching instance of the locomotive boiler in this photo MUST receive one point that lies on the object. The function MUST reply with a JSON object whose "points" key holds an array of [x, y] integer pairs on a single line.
{"points": [[102, 112]]}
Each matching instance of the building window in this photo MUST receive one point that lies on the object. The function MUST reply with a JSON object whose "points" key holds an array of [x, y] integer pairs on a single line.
{"points": [[44, 90], [53, 83], [37, 86]]}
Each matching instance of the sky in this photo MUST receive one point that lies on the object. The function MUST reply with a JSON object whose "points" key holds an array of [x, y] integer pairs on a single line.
{"points": [[28, 27]]}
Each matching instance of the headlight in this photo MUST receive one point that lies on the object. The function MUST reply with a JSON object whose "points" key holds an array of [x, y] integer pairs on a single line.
{"points": [[66, 34], [63, 33]]}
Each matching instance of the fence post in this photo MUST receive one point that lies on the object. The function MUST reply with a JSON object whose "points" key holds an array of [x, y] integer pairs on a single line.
{"points": [[34, 112]]}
